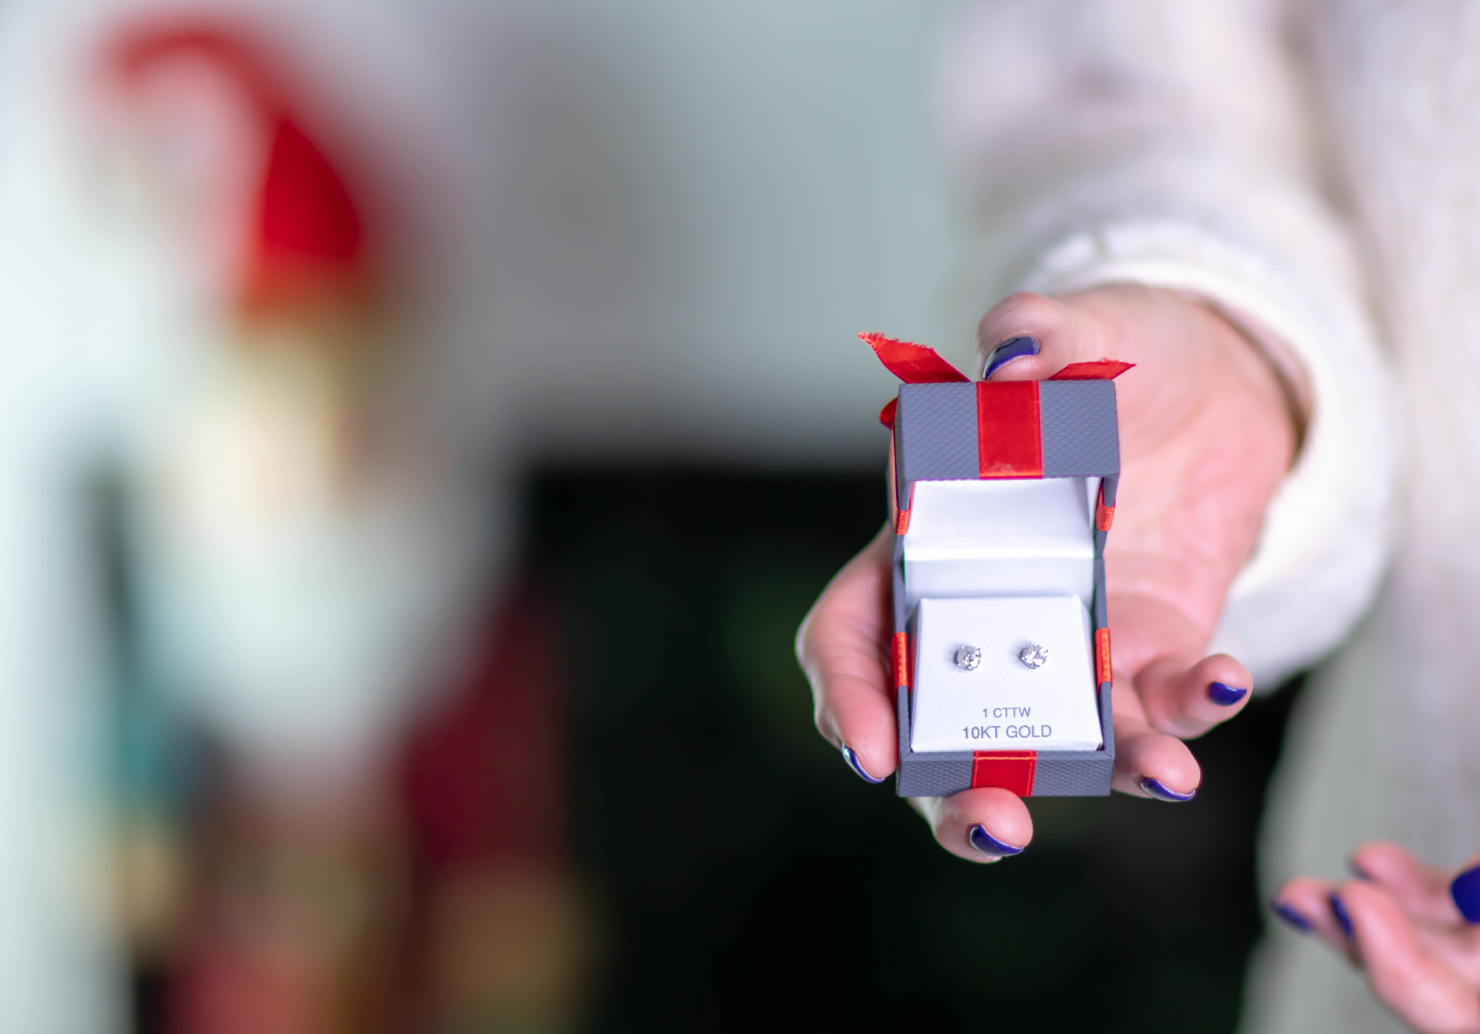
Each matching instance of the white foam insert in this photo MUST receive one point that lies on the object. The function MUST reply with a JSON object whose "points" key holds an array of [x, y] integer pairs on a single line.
{"points": [[1027, 537], [1004, 704]]}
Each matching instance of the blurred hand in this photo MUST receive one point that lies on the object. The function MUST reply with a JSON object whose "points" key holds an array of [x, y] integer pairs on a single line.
{"points": [[1406, 926], [1207, 432]]}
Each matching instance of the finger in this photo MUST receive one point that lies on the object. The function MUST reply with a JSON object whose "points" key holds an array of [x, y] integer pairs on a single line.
{"points": [[1031, 337], [1422, 890], [984, 825], [1149, 763], [1309, 899], [842, 648], [1183, 693], [1187, 701], [1410, 981]]}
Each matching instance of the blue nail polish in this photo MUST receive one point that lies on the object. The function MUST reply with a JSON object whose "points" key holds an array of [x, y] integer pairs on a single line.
{"points": [[1289, 915], [1012, 348], [1342, 919], [1154, 788], [852, 760], [1465, 889], [1224, 695], [990, 845]]}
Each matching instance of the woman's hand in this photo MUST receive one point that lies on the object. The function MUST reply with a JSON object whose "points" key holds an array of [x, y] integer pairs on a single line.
{"points": [[1411, 929], [1207, 432]]}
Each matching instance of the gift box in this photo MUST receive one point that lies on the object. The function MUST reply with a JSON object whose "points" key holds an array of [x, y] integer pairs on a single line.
{"points": [[1001, 496]]}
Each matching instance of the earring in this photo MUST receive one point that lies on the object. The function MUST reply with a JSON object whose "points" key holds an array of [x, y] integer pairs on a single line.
{"points": [[1034, 656]]}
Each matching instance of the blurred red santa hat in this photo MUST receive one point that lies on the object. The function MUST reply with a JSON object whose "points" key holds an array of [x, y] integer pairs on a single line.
{"points": [[305, 241]]}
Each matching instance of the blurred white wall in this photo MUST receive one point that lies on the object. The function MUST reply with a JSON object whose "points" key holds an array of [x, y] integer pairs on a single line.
{"points": [[696, 207]]}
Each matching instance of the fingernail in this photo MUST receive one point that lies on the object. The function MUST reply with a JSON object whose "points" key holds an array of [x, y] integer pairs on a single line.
{"points": [[1224, 695], [1289, 915], [852, 760], [1465, 889], [1342, 919], [1012, 348], [1154, 788], [990, 845]]}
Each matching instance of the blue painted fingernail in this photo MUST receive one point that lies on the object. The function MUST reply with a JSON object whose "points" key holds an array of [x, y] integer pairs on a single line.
{"points": [[1224, 695], [1289, 915], [852, 760], [1154, 788], [1012, 348], [1465, 889], [1342, 919], [990, 845]]}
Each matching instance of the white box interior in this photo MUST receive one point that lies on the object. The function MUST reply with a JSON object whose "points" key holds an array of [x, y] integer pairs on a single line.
{"points": [[996, 564], [1027, 537], [1003, 704]]}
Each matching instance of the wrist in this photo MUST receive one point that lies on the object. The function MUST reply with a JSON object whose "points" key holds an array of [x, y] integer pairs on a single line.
{"points": [[1276, 358]]}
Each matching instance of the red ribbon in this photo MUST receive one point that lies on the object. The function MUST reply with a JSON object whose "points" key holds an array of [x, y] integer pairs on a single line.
{"points": [[1099, 370], [912, 363], [920, 364]]}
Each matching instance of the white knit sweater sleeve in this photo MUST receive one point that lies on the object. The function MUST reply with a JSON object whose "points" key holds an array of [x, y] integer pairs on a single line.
{"points": [[1170, 143]]}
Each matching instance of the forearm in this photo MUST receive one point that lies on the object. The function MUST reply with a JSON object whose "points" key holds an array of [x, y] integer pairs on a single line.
{"points": [[1151, 155]]}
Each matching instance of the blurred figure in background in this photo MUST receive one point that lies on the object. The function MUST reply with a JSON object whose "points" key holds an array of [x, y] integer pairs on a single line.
{"points": [[313, 547]]}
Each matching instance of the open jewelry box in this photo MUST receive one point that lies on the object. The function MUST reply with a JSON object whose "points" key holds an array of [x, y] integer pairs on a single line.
{"points": [[1001, 495]]}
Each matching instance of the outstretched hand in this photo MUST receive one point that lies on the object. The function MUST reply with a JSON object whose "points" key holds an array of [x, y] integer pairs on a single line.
{"points": [[1207, 432], [1410, 928]]}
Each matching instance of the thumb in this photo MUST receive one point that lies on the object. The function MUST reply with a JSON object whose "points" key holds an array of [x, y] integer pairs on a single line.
{"points": [[1029, 337], [1409, 977], [1464, 890]]}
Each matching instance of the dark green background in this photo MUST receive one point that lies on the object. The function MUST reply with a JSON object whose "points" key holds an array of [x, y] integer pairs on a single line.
{"points": [[746, 879]]}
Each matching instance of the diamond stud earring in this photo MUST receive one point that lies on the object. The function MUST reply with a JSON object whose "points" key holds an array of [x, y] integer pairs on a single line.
{"points": [[968, 657], [1033, 655]]}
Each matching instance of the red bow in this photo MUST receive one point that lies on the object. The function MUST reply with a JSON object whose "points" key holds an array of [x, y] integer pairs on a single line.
{"points": [[919, 364]]}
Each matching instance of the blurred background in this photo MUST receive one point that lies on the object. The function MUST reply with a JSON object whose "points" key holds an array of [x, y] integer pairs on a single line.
{"points": [[423, 426]]}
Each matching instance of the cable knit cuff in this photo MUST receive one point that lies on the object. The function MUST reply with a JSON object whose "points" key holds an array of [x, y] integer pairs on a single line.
{"points": [[1320, 554]]}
